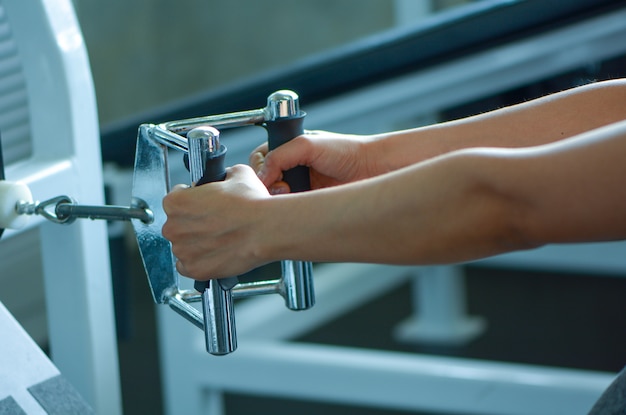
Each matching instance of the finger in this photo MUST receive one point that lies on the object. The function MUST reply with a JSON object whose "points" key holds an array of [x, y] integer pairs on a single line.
{"points": [[238, 170], [181, 268], [256, 160], [289, 155], [262, 148], [171, 201]]}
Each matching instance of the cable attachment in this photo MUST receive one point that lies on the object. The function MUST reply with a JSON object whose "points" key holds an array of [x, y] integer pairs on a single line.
{"points": [[65, 210], [47, 209]]}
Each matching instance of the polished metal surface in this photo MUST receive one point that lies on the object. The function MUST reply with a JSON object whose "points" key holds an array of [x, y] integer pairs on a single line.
{"points": [[280, 104], [297, 285], [201, 141], [219, 319], [249, 289], [72, 211], [199, 137], [217, 300], [221, 121], [47, 209], [179, 304], [150, 185], [283, 104], [297, 276], [64, 210]]}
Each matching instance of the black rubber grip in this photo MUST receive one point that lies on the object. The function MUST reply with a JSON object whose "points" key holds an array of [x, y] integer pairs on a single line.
{"points": [[214, 171], [225, 283], [278, 133]]}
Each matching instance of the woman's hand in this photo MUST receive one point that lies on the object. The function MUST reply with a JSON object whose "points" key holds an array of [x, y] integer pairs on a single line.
{"points": [[216, 229], [333, 158]]}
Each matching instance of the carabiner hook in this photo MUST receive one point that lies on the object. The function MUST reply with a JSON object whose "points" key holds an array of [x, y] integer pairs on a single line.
{"points": [[48, 209]]}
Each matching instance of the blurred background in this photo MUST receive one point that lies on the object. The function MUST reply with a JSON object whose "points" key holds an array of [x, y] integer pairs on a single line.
{"points": [[157, 60], [147, 53]]}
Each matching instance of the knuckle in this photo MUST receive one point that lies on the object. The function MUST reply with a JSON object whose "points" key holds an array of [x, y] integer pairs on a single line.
{"points": [[256, 159], [171, 231], [304, 141], [195, 272], [167, 230], [169, 203]]}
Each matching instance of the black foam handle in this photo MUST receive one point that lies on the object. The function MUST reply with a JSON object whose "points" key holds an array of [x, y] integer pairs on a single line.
{"points": [[278, 133], [214, 171]]}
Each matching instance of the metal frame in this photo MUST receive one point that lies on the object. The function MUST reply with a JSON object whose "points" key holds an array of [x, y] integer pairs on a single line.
{"points": [[66, 160], [206, 154], [268, 363], [271, 365]]}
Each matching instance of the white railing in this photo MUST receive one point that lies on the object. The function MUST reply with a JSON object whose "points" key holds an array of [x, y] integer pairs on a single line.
{"points": [[64, 159]]}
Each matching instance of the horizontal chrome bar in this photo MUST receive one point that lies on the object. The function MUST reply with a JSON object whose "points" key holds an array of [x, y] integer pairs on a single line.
{"points": [[168, 138], [192, 315], [250, 289], [190, 296], [71, 211], [169, 133], [241, 290], [231, 120], [280, 104]]}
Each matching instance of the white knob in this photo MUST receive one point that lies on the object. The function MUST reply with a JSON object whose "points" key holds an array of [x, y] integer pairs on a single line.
{"points": [[10, 194]]}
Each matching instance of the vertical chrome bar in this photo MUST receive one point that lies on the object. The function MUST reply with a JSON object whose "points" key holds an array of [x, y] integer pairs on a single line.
{"points": [[198, 148], [297, 285], [285, 124], [219, 319], [217, 301]]}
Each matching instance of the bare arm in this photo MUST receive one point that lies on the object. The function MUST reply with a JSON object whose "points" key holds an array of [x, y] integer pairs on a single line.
{"points": [[460, 206], [467, 205], [337, 159], [540, 121]]}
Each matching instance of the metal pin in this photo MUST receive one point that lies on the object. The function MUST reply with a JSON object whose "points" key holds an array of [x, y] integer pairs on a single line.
{"points": [[64, 210]]}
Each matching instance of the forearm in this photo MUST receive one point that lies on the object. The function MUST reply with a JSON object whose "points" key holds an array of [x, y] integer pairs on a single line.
{"points": [[532, 123], [435, 212], [462, 206]]}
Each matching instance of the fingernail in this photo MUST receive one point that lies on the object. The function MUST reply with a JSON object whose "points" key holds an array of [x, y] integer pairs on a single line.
{"points": [[261, 174], [278, 190], [180, 187]]}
